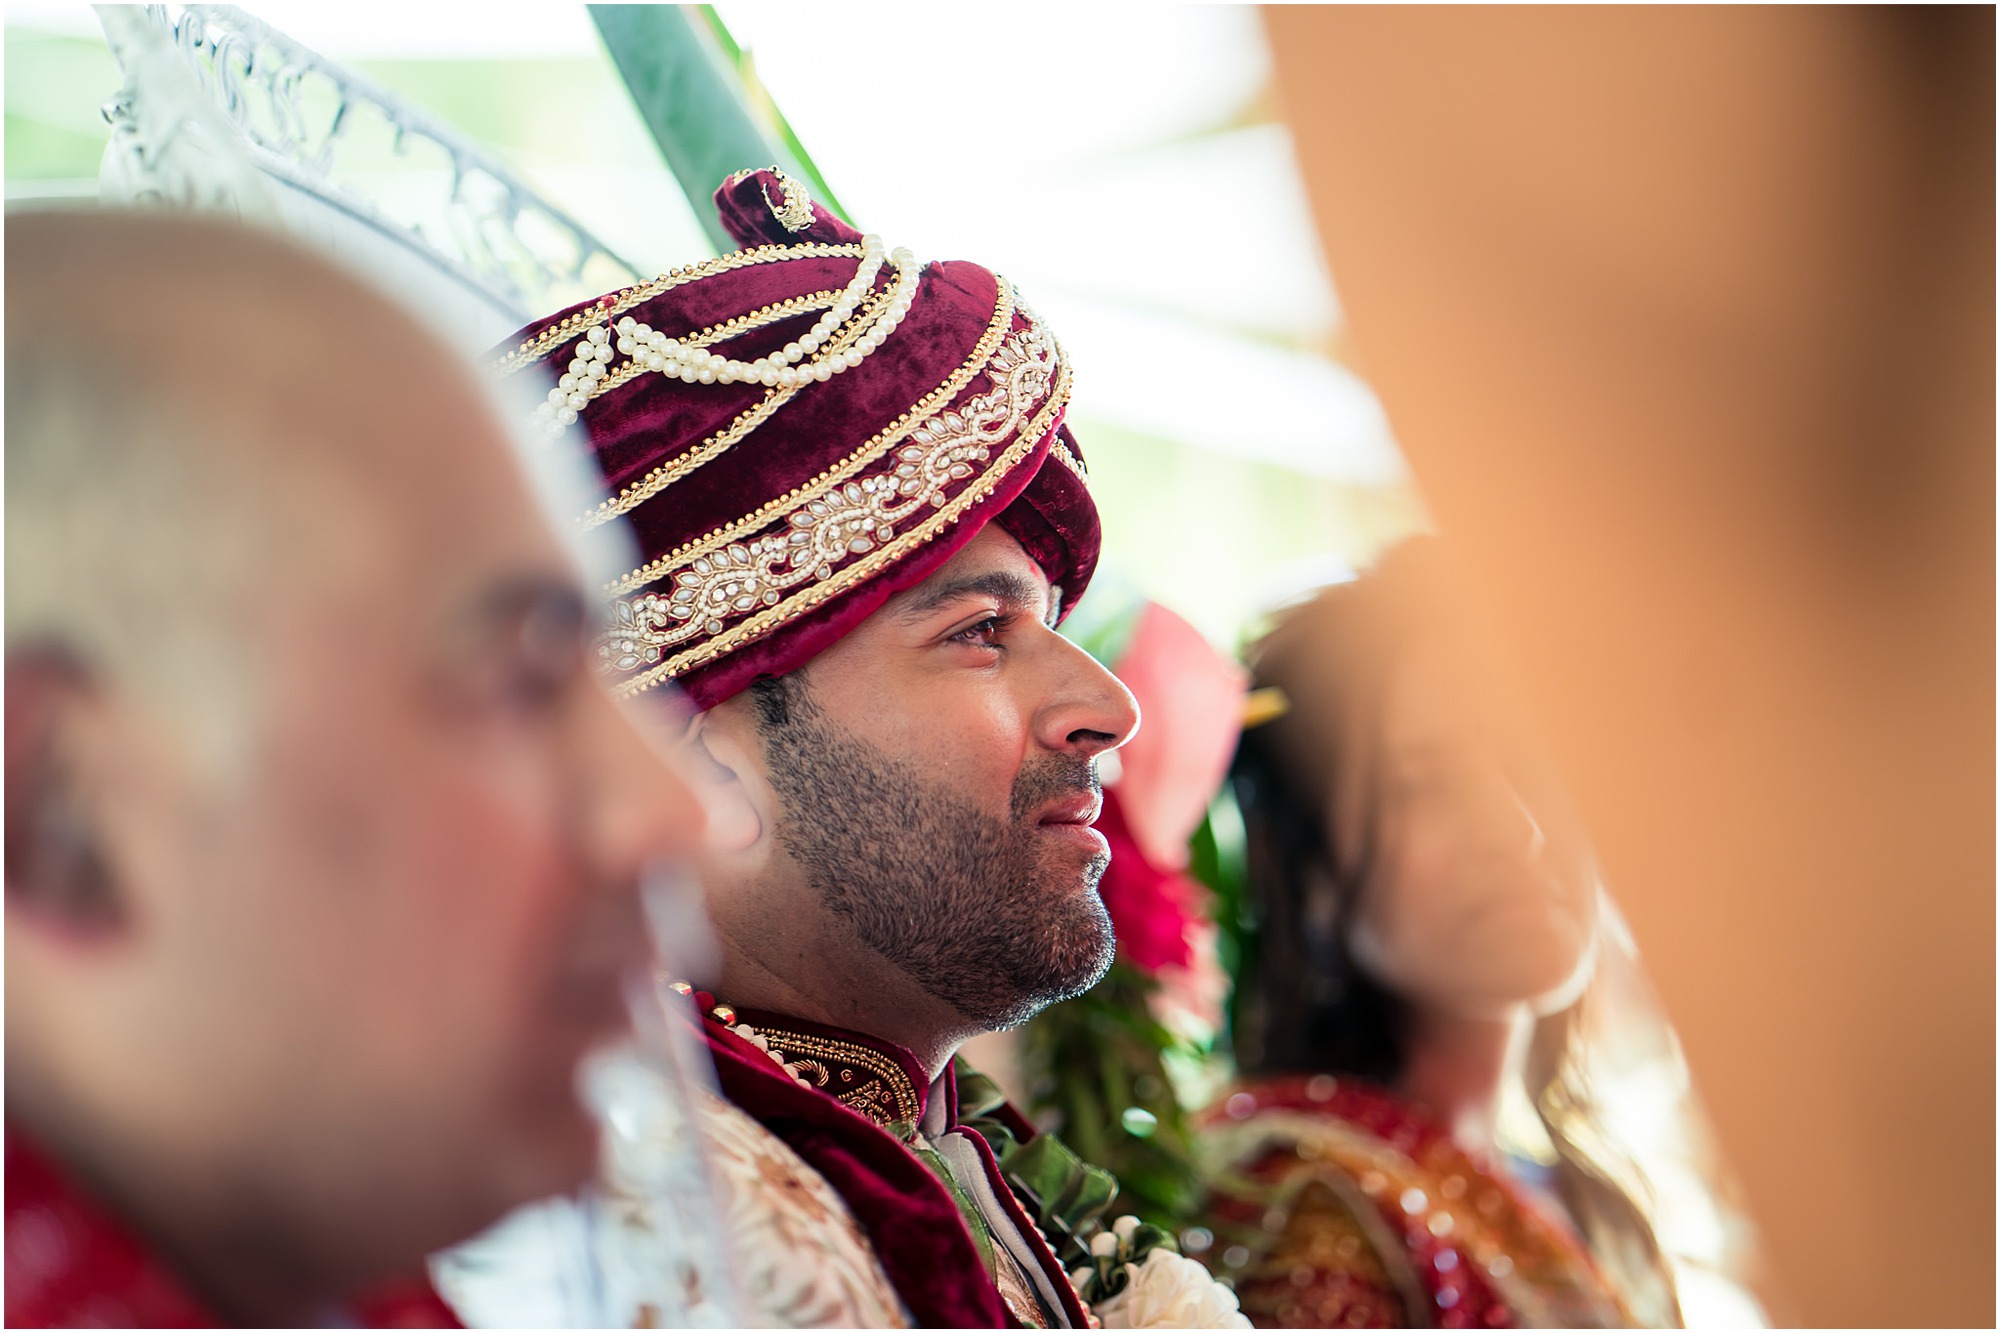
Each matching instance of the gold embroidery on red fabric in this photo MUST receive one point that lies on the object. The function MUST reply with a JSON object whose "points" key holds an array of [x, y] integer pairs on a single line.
{"points": [[891, 435], [780, 575], [590, 316], [880, 1090]]}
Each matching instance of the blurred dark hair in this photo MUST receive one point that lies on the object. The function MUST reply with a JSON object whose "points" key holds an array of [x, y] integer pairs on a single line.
{"points": [[1302, 1005]]}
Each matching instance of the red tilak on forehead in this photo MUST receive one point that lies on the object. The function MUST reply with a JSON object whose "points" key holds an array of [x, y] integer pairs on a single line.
{"points": [[797, 430]]}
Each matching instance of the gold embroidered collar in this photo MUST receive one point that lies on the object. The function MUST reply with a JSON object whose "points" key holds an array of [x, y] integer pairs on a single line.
{"points": [[877, 1078]]}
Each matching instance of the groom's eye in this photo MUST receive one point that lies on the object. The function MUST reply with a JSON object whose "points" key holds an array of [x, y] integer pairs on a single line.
{"points": [[984, 633]]}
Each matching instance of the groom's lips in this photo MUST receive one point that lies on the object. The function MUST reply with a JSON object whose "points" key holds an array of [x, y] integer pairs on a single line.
{"points": [[1070, 818]]}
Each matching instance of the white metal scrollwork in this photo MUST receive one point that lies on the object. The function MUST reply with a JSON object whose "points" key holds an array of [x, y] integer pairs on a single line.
{"points": [[310, 126]]}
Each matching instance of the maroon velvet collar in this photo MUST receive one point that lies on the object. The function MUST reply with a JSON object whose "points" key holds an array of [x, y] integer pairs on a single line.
{"points": [[913, 1224], [879, 1079]]}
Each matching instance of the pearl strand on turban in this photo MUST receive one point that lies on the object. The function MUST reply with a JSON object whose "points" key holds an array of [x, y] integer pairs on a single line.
{"points": [[591, 367]]}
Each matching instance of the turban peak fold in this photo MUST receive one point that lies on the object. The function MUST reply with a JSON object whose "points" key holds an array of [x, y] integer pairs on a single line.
{"points": [[771, 519]]}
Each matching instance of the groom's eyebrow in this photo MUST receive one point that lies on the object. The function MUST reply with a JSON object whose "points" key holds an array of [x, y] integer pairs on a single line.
{"points": [[1011, 590]]}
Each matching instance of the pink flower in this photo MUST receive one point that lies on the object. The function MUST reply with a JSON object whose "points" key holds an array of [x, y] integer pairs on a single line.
{"points": [[1192, 699], [1154, 912]]}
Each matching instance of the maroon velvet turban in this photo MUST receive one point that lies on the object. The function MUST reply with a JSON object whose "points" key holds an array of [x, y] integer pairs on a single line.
{"points": [[772, 519]]}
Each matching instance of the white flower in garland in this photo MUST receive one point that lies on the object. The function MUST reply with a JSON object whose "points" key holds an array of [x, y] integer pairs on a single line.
{"points": [[1167, 1290], [1156, 1289]]}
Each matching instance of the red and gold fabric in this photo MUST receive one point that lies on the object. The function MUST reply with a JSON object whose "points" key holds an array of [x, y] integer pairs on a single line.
{"points": [[1340, 1205], [945, 1226], [72, 1264], [773, 515]]}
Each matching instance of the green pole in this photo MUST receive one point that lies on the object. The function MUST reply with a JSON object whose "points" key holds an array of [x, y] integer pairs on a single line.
{"points": [[691, 93]]}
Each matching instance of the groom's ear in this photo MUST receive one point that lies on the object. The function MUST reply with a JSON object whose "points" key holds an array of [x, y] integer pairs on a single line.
{"points": [[727, 754]]}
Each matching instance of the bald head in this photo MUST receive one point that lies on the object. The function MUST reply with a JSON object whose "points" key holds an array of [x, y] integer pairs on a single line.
{"points": [[199, 415], [251, 340], [322, 847]]}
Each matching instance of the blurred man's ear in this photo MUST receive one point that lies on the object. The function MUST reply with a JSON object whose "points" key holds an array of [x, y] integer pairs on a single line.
{"points": [[58, 875], [730, 777]]}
